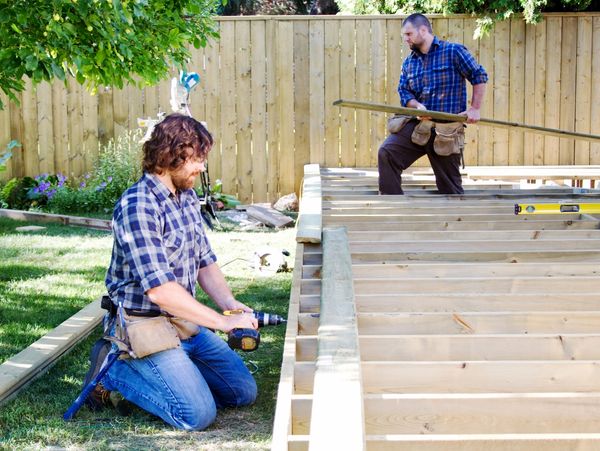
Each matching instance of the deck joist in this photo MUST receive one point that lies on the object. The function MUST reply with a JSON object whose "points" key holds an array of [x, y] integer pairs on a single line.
{"points": [[471, 328]]}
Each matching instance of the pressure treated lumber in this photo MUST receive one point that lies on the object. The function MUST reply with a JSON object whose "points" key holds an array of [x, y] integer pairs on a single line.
{"points": [[467, 376], [466, 347], [459, 118], [309, 217], [36, 359], [337, 412], [101, 224], [283, 412]]}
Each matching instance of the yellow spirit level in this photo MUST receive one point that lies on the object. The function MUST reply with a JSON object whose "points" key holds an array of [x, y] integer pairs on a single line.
{"points": [[554, 209]]}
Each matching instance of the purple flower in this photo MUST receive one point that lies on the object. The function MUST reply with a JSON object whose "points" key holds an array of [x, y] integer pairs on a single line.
{"points": [[51, 193], [82, 184], [109, 179], [87, 176]]}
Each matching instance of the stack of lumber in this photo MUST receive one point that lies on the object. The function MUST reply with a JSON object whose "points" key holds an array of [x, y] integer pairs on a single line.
{"points": [[429, 322]]}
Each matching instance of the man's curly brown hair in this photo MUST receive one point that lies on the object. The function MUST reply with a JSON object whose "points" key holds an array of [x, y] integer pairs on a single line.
{"points": [[173, 141]]}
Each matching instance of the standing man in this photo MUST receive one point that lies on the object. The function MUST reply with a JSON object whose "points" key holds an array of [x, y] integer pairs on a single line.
{"points": [[181, 371], [433, 78]]}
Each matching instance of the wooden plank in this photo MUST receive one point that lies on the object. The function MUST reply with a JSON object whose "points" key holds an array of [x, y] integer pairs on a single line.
{"points": [[213, 107], [462, 347], [480, 246], [541, 30], [106, 129], [282, 424], [477, 442], [229, 170], [508, 285], [553, 100], [337, 410], [60, 128], [243, 70], [301, 101], [102, 224], [468, 302], [120, 110], [90, 129], [273, 114], [486, 136], [347, 90], [517, 89], [583, 93], [378, 85], [21, 369], [268, 216], [259, 109], [467, 270], [501, 87], [45, 128], [479, 235], [309, 218], [515, 256], [568, 80], [595, 97], [285, 80], [529, 100], [75, 113], [16, 132], [475, 323], [363, 91], [472, 133], [30, 129], [332, 93], [447, 217], [317, 91], [468, 377], [554, 224], [481, 414]]}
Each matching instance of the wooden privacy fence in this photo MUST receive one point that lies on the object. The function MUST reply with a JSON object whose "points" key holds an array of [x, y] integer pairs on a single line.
{"points": [[268, 85]]}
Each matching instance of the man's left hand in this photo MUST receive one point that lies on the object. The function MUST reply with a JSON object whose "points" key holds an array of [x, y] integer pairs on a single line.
{"points": [[473, 115]]}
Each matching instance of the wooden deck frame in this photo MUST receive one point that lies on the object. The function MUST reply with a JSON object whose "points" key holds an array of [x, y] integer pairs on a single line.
{"points": [[309, 218], [476, 330]]}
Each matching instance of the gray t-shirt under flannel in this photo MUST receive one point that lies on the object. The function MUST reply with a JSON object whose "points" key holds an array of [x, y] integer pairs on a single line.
{"points": [[158, 238]]}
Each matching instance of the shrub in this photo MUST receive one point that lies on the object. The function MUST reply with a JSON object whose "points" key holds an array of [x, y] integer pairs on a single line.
{"points": [[14, 193], [46, 186], [117, 168]]}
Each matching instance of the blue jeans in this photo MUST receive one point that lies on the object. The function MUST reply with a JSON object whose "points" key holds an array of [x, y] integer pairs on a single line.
{"points": [[185, 386]]}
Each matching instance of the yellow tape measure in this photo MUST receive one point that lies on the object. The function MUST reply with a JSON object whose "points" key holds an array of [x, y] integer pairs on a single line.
{"points": [[555, 209]]}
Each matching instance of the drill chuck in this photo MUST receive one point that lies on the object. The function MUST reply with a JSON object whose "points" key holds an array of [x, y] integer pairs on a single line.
{"points": [[268, 319]]}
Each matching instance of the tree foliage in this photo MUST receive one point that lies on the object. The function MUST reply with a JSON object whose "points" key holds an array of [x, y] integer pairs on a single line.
{"points": [[489, 10], [99, 42]]}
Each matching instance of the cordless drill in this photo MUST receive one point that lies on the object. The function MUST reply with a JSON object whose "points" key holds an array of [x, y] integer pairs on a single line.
{"points": [[248, 339]]}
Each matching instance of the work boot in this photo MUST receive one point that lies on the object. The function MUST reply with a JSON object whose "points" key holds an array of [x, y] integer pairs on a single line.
{"points": [[100, 397]]}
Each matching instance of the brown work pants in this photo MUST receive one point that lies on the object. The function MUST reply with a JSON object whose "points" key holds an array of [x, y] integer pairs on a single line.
{"points": [[398, 152]]}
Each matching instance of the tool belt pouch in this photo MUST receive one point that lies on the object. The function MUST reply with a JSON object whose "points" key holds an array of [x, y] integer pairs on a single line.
{"points": [[449, 138], [422, 133], [184, 328], [397, 122], [145, 336]]}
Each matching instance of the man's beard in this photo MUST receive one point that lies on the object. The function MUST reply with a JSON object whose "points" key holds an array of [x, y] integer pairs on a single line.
{"points": [[183, 183]]}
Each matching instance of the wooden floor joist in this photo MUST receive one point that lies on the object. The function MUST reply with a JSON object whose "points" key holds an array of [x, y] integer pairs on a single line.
{"points": [[476, 329]]}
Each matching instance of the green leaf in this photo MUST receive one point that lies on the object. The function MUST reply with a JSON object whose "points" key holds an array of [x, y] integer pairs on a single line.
{"points": [[31, 62], [15, 28], [58, 71]]}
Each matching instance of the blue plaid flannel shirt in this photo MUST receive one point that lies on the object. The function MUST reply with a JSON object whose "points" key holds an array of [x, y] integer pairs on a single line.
{"points": [[437, 79], [157, 239]]}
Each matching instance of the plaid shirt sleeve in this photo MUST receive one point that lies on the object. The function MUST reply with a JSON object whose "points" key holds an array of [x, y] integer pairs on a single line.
{"points": [[403, 88], [139, 234], [468, 67]]}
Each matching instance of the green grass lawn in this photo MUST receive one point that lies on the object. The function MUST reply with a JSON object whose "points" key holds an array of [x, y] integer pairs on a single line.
{"points": [[47, 276]]}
